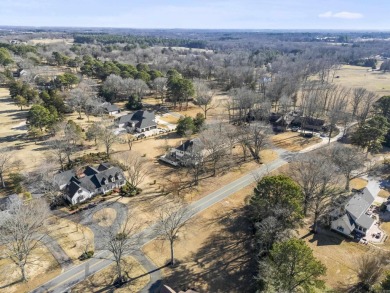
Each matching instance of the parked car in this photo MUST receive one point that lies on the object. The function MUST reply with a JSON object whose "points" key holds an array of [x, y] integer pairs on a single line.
{"points": [[308, 135], [294, 128]]}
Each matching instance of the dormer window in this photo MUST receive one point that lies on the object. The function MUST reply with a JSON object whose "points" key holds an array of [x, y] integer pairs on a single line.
{"points": [[103, 181]]}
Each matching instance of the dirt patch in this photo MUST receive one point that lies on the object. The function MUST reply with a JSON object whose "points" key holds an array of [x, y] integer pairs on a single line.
{"points": [[386, 228], [358, 183], [105, 217], [43, 268], [100, 281], [293, 141], [73, 238], [213, 252]]}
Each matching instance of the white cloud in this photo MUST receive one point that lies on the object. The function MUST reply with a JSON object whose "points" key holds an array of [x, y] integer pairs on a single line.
{"points": [[343, 15]]}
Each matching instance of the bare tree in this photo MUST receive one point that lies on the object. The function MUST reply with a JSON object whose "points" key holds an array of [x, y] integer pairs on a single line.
{"points": [[135, 166], [369, 271], [21, 230], [7, 163], [203, 97], [121, 240], [215, 148], [106, 136], [366, 105], [258, 139], [337, 105], [172, 219], [357, 99], [350, 162], [160, 86]]}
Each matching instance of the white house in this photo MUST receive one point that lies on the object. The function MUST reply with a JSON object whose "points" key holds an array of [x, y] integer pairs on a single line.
{"points": [[93, 181], [352, 216], [181, 154]]}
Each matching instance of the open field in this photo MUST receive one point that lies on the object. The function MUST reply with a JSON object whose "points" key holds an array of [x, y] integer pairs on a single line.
{"points": [[213, 252], [43, 267], [338, 254], [73, 238], [357, 76], [384, 193], [293, 141], [101, 281], [50, 41]]}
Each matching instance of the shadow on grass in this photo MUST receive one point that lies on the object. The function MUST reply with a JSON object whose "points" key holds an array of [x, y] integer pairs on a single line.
{"points": [[225, 262]]}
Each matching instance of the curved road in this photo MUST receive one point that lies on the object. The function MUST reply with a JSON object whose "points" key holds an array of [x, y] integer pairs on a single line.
{"points": [[102, 259]]}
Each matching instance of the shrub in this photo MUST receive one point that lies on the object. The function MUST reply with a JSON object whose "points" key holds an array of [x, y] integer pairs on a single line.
{"points": [[129, 190], [74, 207], [86, 255]]}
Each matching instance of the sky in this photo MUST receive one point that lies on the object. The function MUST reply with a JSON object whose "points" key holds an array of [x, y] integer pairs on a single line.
{"points": [[199, 14]]}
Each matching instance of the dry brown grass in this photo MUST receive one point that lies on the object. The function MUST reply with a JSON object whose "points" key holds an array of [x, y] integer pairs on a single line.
{"points": [[213, 251], [50, 41], [384, 193], [293, 141], [104, 278], [43, 268], [170, 119], [105, 217], [358, 183], [339, 255], [72, 237], [357, 76], [385, 226]]}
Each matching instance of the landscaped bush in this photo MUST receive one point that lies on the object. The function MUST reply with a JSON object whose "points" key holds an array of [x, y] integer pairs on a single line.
{"points": [[74, 207], [86, 255], [129, 190]]}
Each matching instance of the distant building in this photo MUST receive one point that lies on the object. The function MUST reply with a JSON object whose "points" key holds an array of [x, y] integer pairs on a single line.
{"points": [[19, 73], [139, 121], [91, 182], [308, 123], [110, 109]]}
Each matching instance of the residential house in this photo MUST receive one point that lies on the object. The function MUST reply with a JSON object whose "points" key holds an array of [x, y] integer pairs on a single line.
{"points": [[354, 216], [92, 181], [308, 123], [139, 121], [181, 154], [110, 109]]}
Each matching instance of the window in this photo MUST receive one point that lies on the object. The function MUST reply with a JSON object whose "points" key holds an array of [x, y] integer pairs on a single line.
{"points": [[340, 228], [80, 191]]}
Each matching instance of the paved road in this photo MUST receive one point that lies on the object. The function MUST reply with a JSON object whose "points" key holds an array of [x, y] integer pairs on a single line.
{"points": [[102, 259], [76, 274]]}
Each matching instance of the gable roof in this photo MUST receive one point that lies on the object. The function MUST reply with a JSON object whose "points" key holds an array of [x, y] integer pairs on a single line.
{"points": [[64, 177], [93, 178], [110, 107], [142, 119], [359, 203], [189, 144]]}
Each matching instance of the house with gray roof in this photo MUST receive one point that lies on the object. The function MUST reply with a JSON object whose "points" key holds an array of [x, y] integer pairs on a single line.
{"points": [[92, 181], [139, 121], [110, 109], [186, 153], [353, 215]]}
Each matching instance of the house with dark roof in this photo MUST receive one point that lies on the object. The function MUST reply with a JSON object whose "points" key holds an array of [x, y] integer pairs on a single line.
{"points": [[139, 121], [92, 181], [309, 123], [110, 109], [182, 154], [353, 216]]}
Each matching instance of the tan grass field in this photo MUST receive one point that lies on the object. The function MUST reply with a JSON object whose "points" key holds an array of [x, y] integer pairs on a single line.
{"points": [[384, 193], [338, 254], [73, 238], [292, 141], [169, 118], [43, 268], [212, 251], [50, 41], [358, 183], [357, 76], [105, 217], [99, 281]]}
